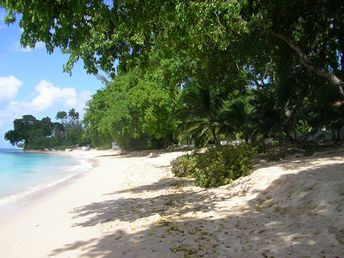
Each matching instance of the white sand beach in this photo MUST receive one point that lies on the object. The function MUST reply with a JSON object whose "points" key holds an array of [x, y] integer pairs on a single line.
{"points": [[132, 206]]}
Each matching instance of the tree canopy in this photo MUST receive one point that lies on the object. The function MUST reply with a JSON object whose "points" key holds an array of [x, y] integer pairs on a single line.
{"points": [[101, 32], [215, 70]]}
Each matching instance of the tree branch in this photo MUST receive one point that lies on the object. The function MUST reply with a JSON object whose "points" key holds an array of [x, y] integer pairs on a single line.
{"points": [[304, 60]]}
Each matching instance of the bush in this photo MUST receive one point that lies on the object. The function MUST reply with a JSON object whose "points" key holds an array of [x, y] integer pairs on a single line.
{"points": [[184, 166], [217, 166], [221, 165]]}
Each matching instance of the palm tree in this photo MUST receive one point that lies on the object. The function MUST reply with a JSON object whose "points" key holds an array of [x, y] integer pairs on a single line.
{"points": [[200, 114], [237, 115], [73, 115]]}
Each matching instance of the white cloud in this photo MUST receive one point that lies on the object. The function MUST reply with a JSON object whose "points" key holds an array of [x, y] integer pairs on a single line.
{"points": [[48, 94], [16, 46], [46, 97], [9, 87]]}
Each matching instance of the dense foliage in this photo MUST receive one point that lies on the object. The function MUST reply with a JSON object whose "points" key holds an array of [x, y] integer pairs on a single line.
{"points": [[100, 31], [34, 134], [133, 111], [200, 72], [216, 166], [283, 59]]}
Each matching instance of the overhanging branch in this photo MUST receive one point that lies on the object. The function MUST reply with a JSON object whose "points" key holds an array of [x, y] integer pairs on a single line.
{"points": [[304, 60]]}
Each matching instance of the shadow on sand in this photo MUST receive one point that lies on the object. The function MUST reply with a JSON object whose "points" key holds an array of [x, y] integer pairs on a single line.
{"points": [[298, 215]]}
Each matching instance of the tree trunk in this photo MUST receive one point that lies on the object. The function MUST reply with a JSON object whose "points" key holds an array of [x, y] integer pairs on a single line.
{"points": [[213, 134], [333, 131], [338, 134]]}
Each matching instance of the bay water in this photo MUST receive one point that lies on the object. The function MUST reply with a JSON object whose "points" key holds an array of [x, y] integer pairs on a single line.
{"points": [[23, 173]]}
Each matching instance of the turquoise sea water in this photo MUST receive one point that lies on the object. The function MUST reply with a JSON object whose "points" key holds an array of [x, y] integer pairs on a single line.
{"points": [[22, 173]]}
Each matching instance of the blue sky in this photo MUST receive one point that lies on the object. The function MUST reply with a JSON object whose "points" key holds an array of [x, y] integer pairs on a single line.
{"points": [[33, 82]]}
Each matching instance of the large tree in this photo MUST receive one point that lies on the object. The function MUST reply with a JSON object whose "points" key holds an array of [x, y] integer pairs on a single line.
{"points": [[31, 133]]}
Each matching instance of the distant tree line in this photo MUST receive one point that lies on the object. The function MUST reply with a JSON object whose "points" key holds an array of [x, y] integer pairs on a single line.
{"points": [[35, 134]]}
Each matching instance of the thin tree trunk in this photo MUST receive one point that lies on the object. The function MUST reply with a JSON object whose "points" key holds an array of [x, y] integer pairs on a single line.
{"points": [[338, 134], [214, 136], [333, 131]]}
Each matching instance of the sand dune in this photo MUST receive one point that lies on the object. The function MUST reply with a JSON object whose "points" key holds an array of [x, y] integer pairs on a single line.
{"points": [[132, 206]]}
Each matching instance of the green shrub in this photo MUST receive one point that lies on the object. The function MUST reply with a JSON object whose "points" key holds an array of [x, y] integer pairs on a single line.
{"points": [[221, 165], [217, 166], [184, 166]]}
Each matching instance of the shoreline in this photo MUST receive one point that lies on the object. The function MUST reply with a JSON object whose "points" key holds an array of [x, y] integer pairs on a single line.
{"points": [[132, 206], [15, 200]]}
